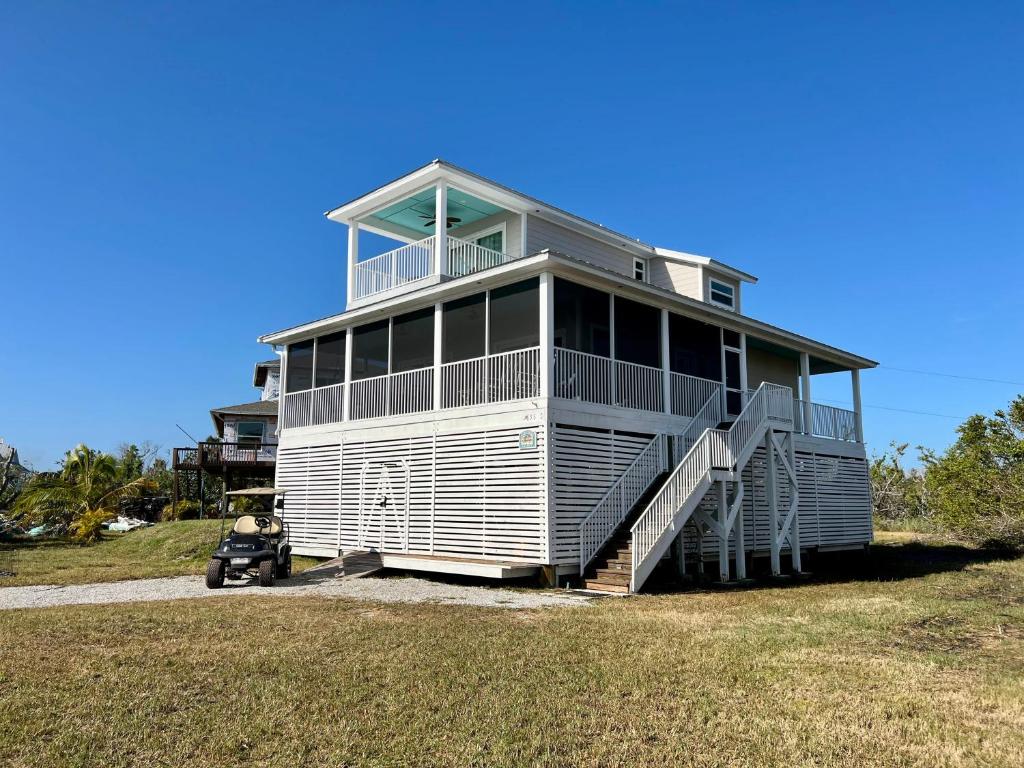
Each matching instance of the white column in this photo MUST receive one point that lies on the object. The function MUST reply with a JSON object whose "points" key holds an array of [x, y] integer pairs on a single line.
{"points": [[547, 333], [522, 235], [353, 257], [666, 364], [743, 370], [858, 408], [346, 395], [438, 319], [723, 533], [613, 384], [771, 492], [441, 229], [805, 390]]}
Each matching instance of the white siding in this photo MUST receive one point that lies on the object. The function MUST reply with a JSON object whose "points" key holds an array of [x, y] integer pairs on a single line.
{"points": [[541, 234], [675, 276], [586, 464], [466, 494]]}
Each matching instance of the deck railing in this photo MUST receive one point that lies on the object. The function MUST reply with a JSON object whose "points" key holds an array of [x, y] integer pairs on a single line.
{"points": [[690, 394], [415, 261], [328, 404], [492, 379], [826, 421], [224, 454], [393, 394], [298, 409]]}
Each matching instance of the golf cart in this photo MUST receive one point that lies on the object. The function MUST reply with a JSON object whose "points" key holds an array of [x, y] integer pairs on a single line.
{"points": [[257, 545]]}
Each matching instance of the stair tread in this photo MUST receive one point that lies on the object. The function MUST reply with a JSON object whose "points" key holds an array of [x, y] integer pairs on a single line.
{"points": [[603, 587]]}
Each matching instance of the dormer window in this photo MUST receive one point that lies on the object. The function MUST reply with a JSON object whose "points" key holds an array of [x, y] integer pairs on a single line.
{"points": [[640, 270], [722, 294]]}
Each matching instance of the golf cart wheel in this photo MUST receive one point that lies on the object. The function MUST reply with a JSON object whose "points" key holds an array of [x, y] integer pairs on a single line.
{"points": [[284, 570], [215, 574], [267, 572]]}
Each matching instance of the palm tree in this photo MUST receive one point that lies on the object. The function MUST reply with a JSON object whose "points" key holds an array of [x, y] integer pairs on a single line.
{"points": [[81, 497]]}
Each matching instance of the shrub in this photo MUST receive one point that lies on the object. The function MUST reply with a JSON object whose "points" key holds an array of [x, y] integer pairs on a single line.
{"points": [[186, 510]]}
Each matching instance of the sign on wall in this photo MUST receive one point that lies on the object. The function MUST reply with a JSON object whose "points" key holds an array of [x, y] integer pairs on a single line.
{"points": [[528, 440]]}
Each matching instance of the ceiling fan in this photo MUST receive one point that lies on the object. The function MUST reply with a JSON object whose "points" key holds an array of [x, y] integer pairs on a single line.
{"points": [[450, 219]]}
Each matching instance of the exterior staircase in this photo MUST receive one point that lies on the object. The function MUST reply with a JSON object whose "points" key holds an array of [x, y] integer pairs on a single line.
{"points": [[612, 567], [644, 512]]}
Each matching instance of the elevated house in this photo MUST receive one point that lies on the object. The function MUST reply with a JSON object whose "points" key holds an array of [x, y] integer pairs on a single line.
{"points": [[246, 444], [514, 389]]}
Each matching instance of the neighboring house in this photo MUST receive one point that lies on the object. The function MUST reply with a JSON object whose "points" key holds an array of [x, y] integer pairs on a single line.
{"points": [[8, 455], [247, 439], [523, 390]]}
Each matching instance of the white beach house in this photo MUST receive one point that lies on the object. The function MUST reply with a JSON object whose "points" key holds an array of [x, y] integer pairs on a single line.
{"points": [[514, 389]]}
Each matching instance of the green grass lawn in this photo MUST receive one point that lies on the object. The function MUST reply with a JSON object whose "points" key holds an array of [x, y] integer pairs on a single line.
{"points": [[915, 659], [165, 549]]}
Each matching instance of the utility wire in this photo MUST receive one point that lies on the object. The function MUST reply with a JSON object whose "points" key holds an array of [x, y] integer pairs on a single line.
{"points": [[952, 376], [897, 410]]}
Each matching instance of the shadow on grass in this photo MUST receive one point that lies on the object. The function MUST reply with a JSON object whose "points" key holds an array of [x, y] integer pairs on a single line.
{"points": [[882, 562]]}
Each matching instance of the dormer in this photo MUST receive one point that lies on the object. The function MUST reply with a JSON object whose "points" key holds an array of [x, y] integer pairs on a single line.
{"points": [[698, 277]]}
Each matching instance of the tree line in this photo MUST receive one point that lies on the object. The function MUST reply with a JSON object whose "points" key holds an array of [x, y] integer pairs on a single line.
{"points": [[974, 489]]}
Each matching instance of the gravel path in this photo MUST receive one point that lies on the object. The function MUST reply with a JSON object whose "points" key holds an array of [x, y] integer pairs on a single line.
{"points": [[383, 590]]}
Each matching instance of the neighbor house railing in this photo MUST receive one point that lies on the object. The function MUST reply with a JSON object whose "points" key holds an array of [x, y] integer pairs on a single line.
{"points": [[415, 261], [224, 454]]}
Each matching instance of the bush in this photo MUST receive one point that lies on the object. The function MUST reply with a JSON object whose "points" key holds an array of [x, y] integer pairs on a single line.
{"points": [[186, 510]]}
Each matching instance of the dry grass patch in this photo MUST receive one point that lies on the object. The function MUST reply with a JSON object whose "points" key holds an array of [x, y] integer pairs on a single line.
{"points": [[853, 669]]}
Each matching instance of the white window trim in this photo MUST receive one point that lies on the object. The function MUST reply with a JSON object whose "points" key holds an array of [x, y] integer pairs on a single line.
{"points": [[643, 268], [477, 236], [710, 295], [240, 422]]}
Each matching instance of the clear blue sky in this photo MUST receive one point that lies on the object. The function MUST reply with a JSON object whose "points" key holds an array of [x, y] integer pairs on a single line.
{"points": [[164, 169]]}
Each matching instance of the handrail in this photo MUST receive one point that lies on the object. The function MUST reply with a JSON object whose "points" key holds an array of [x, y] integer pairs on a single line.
{"points": [[609, 512], [826, 421], [714, 449]]}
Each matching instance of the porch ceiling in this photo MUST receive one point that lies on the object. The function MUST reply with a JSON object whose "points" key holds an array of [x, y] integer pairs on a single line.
{"points": [[413, 215]]}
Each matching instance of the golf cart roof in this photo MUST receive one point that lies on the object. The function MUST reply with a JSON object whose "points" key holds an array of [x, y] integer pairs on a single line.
{"points": [[258, 492]]}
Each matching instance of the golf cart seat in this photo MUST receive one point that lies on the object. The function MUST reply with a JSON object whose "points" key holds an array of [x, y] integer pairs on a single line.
{"points": [[247, 524]]}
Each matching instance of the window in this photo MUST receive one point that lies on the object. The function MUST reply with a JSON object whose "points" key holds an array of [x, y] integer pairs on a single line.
{"points": [[412, 340], [637, 332], [515, 316], [640, 270], [695, 348], [494, 239], [370, 350], [722, 294], [463, 328], [581, 318], [249, 433], [300, 366], [330, 359]]}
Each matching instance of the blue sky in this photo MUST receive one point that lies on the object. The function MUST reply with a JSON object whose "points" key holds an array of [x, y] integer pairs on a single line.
{"points": [[164, 169]]}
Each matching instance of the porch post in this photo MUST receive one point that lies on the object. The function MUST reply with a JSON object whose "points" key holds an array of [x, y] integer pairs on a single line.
{"points": [[770, 482], [666, 364], [346, 395], [438, 359], [547, 333], [858, 415], [805, 392], [723, 532], [441, 228], [743, 370], [613, 371], [353, 257]]}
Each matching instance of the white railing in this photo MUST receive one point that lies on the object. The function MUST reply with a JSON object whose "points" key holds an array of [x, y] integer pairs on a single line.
{"points": [[465, 258], [493, 379], [328, 404], [415, 261], [395, 268], [714, 449], [297, 409], [690, 394], [392, 394], [709, 416], [607, 515], [583, 376], [826, 421], [638, 386]]}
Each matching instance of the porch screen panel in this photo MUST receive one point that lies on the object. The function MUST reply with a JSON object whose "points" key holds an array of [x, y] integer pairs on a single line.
{"points": [[515, 316], [412, 340], [463, 328], [330, 359], [694, 348], [582, 318], [300, 366], [370, 350], [637, 332]]}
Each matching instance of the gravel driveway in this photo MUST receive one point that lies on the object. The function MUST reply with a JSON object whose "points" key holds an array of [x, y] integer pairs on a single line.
{"points": [[383, 590]]}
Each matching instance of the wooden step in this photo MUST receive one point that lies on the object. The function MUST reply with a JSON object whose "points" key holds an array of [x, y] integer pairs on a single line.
{"points": [[601, 586], [610, 576], [615, 565]]}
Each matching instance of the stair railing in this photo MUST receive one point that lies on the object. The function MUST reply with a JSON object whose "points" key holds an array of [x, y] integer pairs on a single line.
{"points": [[607, 515], [714, 449]]}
